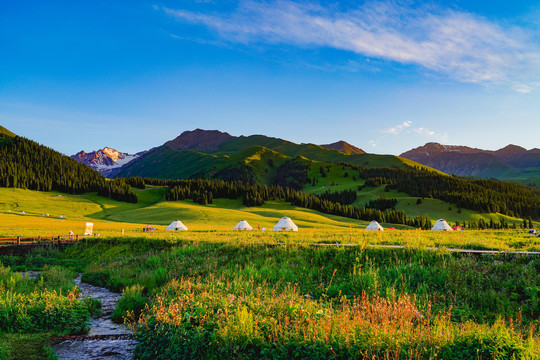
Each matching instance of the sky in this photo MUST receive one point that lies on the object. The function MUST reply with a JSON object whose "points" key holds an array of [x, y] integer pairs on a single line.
{"points": [[386, 76]]}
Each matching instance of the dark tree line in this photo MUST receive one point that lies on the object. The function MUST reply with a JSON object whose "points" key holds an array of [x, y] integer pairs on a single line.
{"points": [[382, 203], [28, 165], [136, 181], [345, 197]]}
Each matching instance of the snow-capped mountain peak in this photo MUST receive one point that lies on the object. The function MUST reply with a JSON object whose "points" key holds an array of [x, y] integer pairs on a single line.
{"points": [[105, 160]]}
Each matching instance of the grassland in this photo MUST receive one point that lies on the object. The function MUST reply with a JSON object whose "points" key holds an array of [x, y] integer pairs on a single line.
{"points": [[238, 295], [110, 217], [215, 293]]}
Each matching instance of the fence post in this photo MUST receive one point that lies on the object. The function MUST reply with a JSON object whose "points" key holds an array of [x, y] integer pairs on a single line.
{"points": [[77, 238], [18, 240]]}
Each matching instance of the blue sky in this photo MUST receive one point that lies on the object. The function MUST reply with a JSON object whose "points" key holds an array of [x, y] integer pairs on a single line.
{"points": [[385, 76]]}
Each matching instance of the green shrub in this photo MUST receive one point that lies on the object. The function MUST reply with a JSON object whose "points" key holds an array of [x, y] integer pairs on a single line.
{"points": [[93, 306], [130, 304]]}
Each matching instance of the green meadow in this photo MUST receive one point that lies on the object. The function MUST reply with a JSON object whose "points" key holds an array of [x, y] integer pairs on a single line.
{"points": [[251, 295], [70, 212], [214, 293]]}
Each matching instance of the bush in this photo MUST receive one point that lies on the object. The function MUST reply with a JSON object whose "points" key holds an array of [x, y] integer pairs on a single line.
{"points": [[130, 304]]}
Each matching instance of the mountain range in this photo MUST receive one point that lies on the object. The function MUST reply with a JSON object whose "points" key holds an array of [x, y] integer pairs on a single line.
{"points": [[213, 153], [311, 176], [510, 162], [216, 154]]}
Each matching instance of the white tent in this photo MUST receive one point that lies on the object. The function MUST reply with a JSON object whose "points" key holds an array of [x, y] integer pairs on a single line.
{"points": [[242, 225], [374, 226], [441, 225], [285, 224], [176, 225]]}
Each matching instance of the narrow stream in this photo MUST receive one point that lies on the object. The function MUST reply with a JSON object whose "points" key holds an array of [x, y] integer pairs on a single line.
{"points": [[105, 340]]}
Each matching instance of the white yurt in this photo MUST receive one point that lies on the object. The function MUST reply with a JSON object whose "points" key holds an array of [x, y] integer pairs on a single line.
{"points": [[176, 225], [242, 225], [374, 226], [441, 225], [285, 224]]}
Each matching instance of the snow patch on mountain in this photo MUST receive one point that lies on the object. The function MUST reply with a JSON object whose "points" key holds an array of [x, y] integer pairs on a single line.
{"points": [[105, 160]]}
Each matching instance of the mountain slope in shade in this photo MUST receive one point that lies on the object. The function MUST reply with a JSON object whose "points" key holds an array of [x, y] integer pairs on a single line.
{"points": [[344, 147], [105, 160], [509, 162]]}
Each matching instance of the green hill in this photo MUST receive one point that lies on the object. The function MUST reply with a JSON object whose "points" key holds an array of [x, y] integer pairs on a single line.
{"points": [[212, 154], [29, 165], [6, 132]]}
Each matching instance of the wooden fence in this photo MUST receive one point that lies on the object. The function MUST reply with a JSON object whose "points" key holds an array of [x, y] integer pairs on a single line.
{"points": [[22, 241]]}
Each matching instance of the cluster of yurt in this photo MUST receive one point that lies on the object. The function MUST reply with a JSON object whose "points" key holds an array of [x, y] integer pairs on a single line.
{"points": [[284, 224], [440, 225]]}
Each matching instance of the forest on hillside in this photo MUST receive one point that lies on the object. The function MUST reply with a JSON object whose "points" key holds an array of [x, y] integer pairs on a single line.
{"points": [[28, 165], [486, 195]]}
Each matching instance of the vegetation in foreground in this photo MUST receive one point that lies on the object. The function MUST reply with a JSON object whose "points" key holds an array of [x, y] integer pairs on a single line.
{"points": [[231, 295], [33, 310]]}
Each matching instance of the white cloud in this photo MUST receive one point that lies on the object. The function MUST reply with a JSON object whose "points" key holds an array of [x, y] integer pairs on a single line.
{"points": [[407, 127], [398, 129], [372, 143], [521, 88], [461, 45], [424, 131]]}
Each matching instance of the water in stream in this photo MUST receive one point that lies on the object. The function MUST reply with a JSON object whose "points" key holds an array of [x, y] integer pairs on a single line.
{"points": [[105, 340]]}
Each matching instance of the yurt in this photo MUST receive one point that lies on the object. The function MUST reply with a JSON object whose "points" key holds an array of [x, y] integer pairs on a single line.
{"points": [[176, 225], [441, 225], [285, 224], [242, 225], [374, 226]]}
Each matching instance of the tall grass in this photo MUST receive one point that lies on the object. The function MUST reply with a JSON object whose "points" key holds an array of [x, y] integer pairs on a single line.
{"points": [[245, 295], [33, 310], [192, 318], [44, 305]]}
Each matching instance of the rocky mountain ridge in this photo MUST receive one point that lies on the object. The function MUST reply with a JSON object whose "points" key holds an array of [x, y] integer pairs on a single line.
{"points": [[105, 160], [512, 161]]}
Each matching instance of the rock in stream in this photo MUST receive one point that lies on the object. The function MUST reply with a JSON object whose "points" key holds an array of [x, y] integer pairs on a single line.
{"points": [[105, 340]]}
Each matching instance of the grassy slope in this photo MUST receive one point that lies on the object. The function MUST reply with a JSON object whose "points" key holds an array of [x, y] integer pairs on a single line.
{"points": [[4, 131], [110, 216], [263, 161], [167, 163]]}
